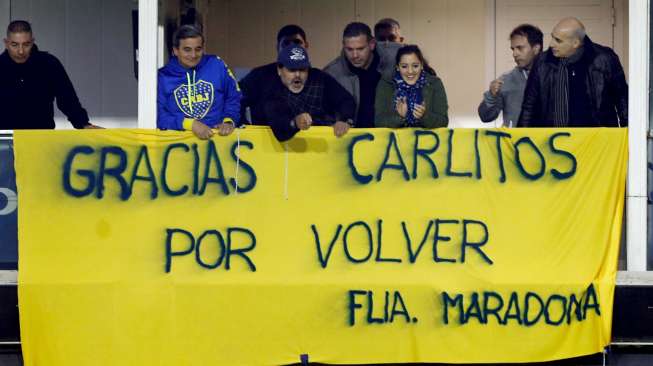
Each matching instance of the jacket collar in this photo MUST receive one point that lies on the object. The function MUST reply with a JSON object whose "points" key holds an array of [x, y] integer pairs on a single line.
{"points": [[588, 53], [34, 54], [345, 64], [177, 67]]}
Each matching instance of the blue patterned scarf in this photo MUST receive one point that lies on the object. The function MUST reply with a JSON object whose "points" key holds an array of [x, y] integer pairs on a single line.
{"points": [[412, 93]]}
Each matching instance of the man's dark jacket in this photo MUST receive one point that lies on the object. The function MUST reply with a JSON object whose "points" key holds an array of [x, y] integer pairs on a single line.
{"points": [[336, 104], [598, 93], [255, 86], [28, 90]]}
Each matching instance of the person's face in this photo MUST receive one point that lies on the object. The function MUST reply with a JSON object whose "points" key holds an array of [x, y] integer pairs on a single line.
{"points": [[294, 80], [410, 68], [396, 32], [19, 46], [522, 52], [358, 50], [190, 51], [295, 39], [563, 42]]}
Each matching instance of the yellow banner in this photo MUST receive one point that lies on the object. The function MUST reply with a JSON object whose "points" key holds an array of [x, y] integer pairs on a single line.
{"points": [[154, 248]]}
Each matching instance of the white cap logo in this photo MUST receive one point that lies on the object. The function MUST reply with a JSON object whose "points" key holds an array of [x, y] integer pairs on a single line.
{"points": [[296, 54]]}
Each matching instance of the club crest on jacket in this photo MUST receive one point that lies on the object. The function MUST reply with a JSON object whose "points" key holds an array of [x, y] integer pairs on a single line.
{"points": [[196, 101]]}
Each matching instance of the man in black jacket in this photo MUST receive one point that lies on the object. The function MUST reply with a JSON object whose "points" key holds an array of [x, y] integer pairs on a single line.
{"points": [[303, 96], [30, 80], [256, 85], [575, 83]]}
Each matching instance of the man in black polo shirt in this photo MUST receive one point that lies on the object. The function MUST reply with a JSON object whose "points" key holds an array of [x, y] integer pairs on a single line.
{"points": [[30, 81]]}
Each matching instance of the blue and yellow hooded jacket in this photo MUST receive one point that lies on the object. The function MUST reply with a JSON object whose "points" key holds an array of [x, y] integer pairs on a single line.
{"points": [[208, 92]]}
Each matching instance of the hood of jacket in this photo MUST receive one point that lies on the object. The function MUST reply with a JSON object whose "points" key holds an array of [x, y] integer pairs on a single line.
{"points": [[175, 68]]}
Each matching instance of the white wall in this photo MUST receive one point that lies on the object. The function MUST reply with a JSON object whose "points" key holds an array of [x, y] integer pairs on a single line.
{"points": [[93, 39], [5, 12]]}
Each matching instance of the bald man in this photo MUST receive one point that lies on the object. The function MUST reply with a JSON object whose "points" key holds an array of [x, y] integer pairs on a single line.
{"points": [[575, 83]]}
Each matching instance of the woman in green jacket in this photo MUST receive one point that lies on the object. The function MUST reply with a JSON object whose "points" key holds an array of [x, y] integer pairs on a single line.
{"points": [[414, 97]]}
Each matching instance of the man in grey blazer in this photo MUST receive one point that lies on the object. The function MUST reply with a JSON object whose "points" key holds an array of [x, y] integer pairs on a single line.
{"points": [[360, 66], [507, 92]]}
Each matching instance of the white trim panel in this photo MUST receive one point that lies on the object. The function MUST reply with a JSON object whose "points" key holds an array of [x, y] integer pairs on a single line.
{"points": [[637, 126], [147, 62]]}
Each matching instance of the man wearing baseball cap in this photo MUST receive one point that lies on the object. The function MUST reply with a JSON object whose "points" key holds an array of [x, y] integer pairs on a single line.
{"points": [[306, 96], [255, 85]]}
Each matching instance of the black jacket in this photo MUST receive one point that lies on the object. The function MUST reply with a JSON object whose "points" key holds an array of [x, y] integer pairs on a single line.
{"points": [[598, 93], [336, 104], [255, 86], [28, 90]]}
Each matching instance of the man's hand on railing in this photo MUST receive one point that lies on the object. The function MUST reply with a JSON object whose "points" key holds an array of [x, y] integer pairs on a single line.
{"points": [[303, 121], [225, 128], [340, 128], [201, 130]]}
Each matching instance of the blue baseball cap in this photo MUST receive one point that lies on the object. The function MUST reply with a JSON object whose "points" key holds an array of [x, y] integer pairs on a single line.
{"points": [[294, 57]]}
